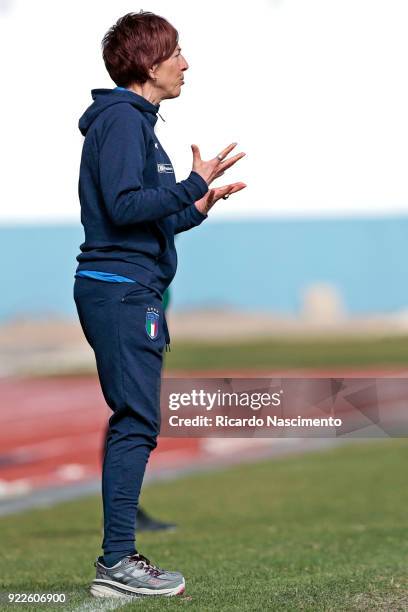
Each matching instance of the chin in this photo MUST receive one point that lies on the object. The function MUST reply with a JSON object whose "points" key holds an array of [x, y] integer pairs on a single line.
{"points": [[174, 93]]}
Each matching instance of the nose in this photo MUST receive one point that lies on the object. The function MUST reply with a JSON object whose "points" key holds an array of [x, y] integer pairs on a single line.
{"points": [[185, 65]]}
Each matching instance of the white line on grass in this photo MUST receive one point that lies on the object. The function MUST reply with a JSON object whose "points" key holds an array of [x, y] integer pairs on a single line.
{"points": [[109, 603]]}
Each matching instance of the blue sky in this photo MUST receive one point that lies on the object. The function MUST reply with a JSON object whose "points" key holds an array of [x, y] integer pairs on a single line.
{"points": [[314, 91]]}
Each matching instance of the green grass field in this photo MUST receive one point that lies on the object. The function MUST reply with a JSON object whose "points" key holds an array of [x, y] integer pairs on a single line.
{"points": [[276, 353], [322, 531], [290, 353]]}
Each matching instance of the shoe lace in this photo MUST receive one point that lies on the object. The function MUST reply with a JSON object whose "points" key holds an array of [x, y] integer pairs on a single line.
{"points": [[145, 564]]}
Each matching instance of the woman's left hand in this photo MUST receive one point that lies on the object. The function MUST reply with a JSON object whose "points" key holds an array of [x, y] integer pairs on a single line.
{"points": [[216, 193]]}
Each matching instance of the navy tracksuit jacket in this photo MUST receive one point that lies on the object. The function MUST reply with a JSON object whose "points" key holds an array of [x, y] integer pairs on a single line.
{"points": [[131, 205], [131, 208]]}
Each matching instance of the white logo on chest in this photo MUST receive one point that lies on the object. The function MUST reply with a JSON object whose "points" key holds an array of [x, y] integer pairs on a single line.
{"points": [[167, 168]]}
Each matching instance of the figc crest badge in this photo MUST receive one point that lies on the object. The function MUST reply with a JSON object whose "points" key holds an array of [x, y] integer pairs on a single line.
{"points": [[152, 322]]}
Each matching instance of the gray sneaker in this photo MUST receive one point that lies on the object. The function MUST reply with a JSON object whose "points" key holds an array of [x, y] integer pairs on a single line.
{"points": [[135, 576]]}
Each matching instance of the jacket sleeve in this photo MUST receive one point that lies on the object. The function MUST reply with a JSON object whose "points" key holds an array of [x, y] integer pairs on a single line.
{"points": [[186, 219], [122, 158]]}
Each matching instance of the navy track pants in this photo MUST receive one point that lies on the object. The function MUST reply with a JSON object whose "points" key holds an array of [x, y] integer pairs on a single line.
{"points": [[124, 323]]}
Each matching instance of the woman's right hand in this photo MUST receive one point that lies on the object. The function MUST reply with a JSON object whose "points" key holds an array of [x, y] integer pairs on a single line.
{"points": [[212, 169]]}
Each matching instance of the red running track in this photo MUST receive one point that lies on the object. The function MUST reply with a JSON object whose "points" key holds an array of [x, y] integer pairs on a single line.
{"points": [[52, 429]]}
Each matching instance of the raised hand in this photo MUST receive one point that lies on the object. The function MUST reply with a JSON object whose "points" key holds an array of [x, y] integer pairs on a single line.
{"points": [[212, 169], [216, 193]]}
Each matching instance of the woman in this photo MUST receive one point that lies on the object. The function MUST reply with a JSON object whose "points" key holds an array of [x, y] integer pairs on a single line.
{"points": [[131, 208]]}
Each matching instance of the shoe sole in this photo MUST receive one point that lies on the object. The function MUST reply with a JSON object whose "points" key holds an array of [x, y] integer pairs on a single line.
{"points": [[109, 588]]}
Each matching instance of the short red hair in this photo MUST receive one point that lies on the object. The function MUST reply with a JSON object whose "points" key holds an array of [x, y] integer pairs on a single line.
{"points": [[134, 44]]}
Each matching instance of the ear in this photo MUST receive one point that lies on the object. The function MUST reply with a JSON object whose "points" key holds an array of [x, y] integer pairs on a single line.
{"points": [[152, 72]]}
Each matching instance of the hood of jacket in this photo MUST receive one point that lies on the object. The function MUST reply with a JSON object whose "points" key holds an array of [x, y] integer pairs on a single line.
{"points": [[103, 98]]}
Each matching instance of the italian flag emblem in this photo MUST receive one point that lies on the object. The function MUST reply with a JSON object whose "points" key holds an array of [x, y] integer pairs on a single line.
{"points": [[152, 323]]}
